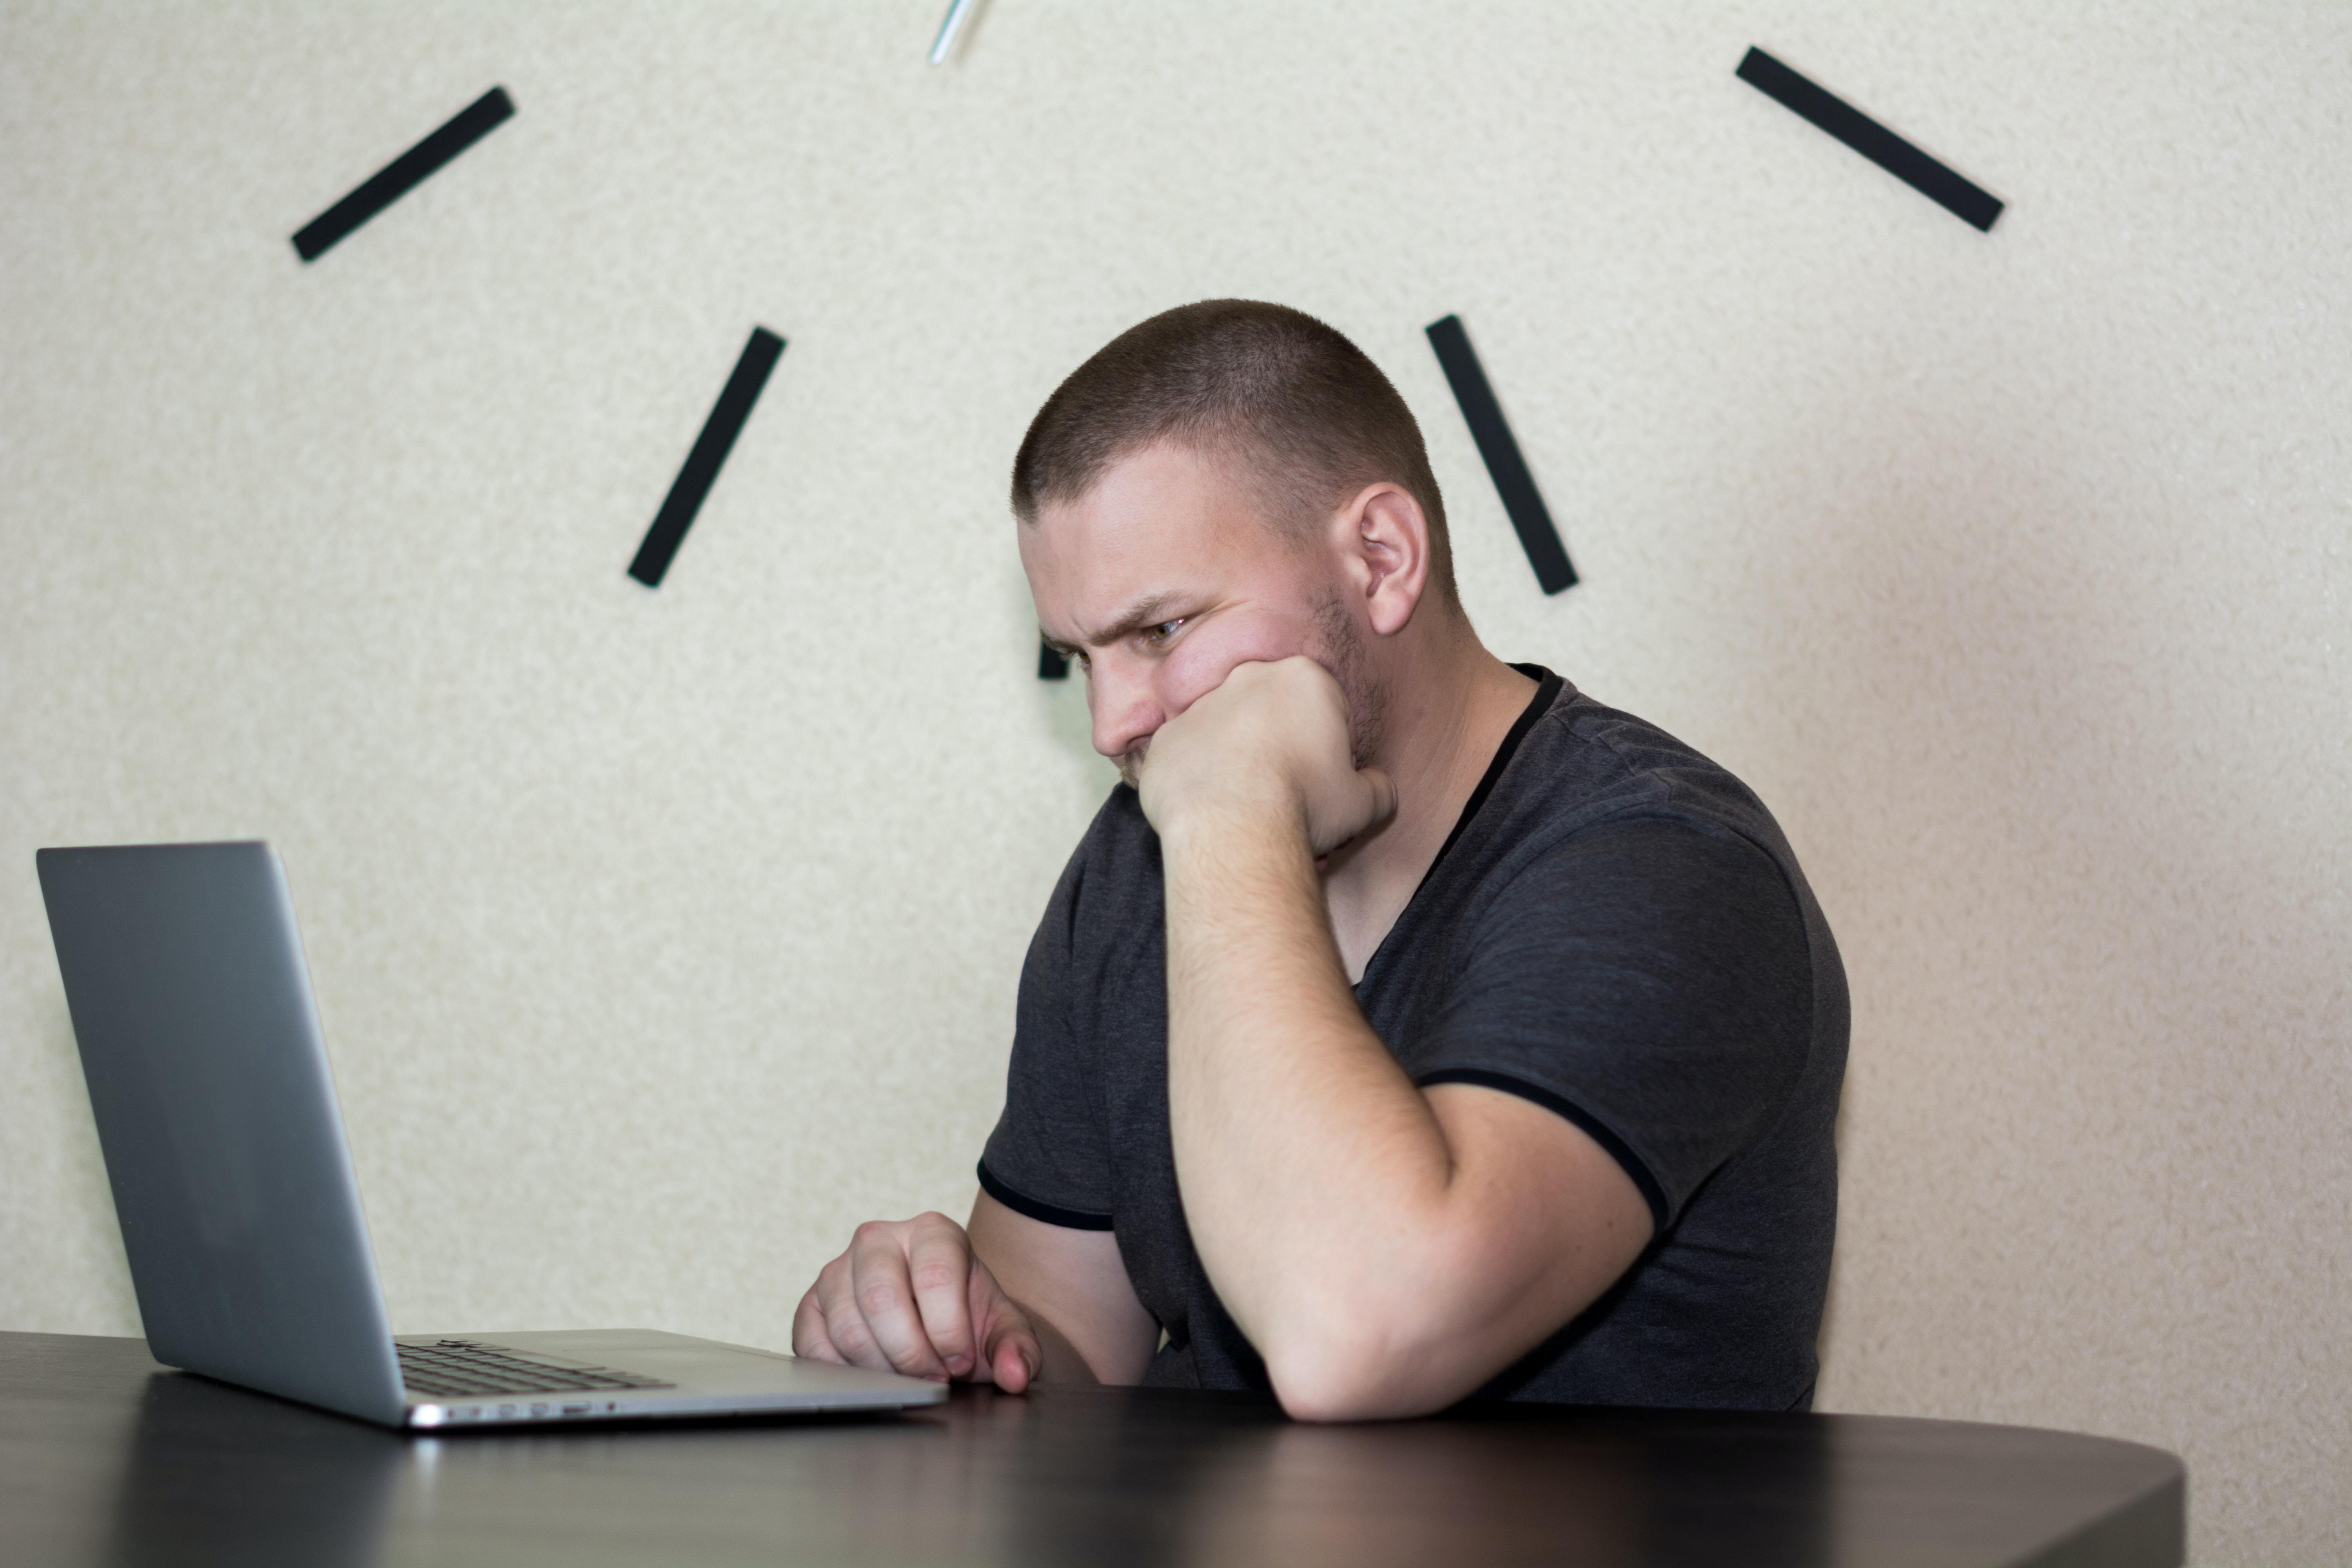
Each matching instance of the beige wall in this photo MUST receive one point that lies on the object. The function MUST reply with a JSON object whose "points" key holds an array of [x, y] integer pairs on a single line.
{"points": [[660, 936]]}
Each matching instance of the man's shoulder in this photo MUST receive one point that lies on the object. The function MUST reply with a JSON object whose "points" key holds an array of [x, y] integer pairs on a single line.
{"points": [[1121, 837], [1114, 870], [1586, 766], [1096, 950]]}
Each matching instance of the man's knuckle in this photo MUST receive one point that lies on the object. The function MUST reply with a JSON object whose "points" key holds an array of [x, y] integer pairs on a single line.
{"points": [[850, 1335], [937, 1274]]}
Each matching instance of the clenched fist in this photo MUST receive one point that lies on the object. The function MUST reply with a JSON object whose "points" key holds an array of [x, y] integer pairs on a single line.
{"points": [[1270, 742], [909, 1297]]}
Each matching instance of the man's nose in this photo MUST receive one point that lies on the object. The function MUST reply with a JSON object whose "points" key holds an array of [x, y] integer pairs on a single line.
{"points": [[1123, 707]]}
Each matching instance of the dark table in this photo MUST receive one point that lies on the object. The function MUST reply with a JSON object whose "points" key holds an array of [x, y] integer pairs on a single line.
{"points": [[106, 1458]]}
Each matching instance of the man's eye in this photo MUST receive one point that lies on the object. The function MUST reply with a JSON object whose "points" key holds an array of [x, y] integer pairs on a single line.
{"points": [[1164, 630]]}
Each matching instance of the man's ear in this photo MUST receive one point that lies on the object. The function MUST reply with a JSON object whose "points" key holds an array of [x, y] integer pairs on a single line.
{"points": [[1382, 537]]}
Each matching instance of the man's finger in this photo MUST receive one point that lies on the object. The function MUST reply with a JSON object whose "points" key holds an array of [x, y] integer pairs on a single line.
{"points": [[844, 1325], [809, 1338], [885, 1298], [1009, 1347], [1014, 1357], [939, 1267]]}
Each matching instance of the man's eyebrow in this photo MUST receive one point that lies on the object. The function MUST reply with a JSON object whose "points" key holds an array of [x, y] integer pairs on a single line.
{"points": [[1148, 611]]}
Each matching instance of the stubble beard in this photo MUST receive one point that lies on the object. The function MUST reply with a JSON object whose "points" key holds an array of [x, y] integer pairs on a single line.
{"points": [[1340, 650]]}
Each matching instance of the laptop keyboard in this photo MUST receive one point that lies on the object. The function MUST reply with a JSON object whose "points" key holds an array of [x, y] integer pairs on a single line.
{"points": [[458, 1369]]}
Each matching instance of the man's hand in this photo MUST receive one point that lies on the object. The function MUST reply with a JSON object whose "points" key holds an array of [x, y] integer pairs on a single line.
{"points": [[1270, 743], [908, 1297]]}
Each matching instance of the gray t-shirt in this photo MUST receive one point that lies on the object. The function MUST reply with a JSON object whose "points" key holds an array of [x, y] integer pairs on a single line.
{"points": [[1617, 931]]}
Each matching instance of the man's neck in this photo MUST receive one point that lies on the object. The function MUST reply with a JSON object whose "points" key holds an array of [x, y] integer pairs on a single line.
{"points": [[1440, 735]]}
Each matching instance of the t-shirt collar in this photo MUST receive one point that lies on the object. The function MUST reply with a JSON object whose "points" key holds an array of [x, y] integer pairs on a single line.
{"points": [[1548, 689]]}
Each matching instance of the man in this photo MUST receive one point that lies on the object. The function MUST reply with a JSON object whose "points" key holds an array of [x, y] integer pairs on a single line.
{"points": [[1408, 1025]]}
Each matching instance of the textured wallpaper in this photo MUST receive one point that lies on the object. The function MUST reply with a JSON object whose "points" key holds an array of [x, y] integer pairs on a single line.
{"points": [[660, 935]]}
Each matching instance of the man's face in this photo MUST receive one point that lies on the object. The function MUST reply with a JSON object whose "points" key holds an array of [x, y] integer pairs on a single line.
{"points": [[1166, 575]]}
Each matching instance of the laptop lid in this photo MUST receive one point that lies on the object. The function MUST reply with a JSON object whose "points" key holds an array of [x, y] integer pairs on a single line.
{"points": [[217, 1114]]}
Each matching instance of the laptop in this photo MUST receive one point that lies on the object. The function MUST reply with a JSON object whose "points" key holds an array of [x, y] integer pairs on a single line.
{"points": [[225, 1147]]}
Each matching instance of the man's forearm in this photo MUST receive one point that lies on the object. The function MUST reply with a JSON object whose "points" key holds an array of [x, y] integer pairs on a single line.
{"points": [[1312, 1169]]}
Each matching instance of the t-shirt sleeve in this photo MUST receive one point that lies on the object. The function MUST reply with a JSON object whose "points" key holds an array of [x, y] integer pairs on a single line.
{"points": [[1650, 981], [1046, 1158]]}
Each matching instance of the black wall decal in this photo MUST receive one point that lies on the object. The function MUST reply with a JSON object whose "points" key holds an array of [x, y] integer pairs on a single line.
{"points": [[710, 449], [1858, 131], [1051, 664], [403, 174], [1508, 470]]}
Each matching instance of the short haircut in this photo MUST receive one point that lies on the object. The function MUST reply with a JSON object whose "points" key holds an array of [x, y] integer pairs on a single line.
{"points": [[1274, 392]]}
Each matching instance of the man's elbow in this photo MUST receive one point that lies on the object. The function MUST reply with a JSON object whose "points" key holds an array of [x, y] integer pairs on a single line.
{"points": [[1353, 1369]]}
